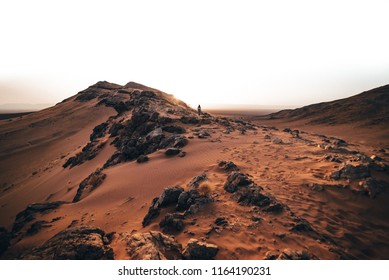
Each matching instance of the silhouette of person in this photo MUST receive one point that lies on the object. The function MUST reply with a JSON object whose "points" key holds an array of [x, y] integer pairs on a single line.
{"points": [[199, 110]]}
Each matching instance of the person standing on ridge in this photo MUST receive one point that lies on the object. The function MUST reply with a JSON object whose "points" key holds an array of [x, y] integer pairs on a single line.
{"points": [[199, 110]]}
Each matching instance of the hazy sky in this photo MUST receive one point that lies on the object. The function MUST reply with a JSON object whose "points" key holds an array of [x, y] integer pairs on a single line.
{"points": [[284, 53]]}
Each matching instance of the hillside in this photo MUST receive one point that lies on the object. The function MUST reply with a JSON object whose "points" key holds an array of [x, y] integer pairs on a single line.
{"points": [[130, 172], [367, 108]]}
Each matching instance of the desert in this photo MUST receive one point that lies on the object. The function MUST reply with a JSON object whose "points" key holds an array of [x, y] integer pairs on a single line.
{"points": [[131, 172]]}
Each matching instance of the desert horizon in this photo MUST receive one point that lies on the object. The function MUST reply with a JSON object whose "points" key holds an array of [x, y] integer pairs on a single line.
{"points": [[131, 172]]}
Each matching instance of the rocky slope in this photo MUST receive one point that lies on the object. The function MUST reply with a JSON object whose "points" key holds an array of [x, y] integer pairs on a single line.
{"points": [[129, 172]]}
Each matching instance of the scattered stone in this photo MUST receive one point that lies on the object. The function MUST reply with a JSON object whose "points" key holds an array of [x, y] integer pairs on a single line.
{"points": [[142, 159], [89, 184], [295, 133], [267, 137], [172, 152], [153, 245], [76, 243], [172, 223], [332, 158], [221, 221], [182, 154], [277, 141], [197, 250]]}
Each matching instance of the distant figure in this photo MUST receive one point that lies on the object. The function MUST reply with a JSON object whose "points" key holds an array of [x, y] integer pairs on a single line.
{"points": [[199, 110]]}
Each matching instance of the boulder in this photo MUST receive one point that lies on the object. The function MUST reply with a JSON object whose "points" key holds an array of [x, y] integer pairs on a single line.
{"points": [[155, 136], [142, 158], [197, 180], [174, 129], [170, 196], [153, 245], [228, 166], [172, 223], [277, 141], [351, 172], [152, 213], [76, 243], [235, 180], [172, 151], [197, 250], [373, 187]]}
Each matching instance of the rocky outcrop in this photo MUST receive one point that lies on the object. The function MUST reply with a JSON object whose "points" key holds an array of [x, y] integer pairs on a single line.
{"points": [[153, 245], [169, 196], [77, 243], [89, 152], [351, 172], [89, 184], [29, 214], [247, 193], [197, 250], [172, 223], [5, 238], [228, 166]]}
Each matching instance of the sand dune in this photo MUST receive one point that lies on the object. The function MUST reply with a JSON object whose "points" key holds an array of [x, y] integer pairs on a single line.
{"points": [[279, 194]]}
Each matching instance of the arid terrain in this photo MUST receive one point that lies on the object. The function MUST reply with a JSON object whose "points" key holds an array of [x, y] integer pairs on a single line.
{"points": [[130, 172]]}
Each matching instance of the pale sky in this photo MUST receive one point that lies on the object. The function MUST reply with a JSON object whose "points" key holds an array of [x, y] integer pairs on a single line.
{"points": [[269, 53]]}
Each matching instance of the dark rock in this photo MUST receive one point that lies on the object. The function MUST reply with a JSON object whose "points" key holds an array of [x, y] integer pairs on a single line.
{"points": [[115, 128], [172, 223], [153, 212], [37, 226], [89, 184], [332, 158], [174, 129], [373, 187], [228, 166], [89, 152], [172, 151], [142, 158], [98, 131], [196, 181], [287, 130], [182, 202], [77, 243], [275, 207], [170, 195], [221, 221], [189, 120], [86, 95], [296, 133], [180, 142], [29, 214], [340, 143], [5, 238], [351, 172], [301, 225], [182, 154], [155, 136], [153, 245], [235, 180], [197, 250]]}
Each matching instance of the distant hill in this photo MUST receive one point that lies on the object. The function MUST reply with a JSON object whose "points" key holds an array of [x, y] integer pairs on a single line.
{"points": [[367, 108]]}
